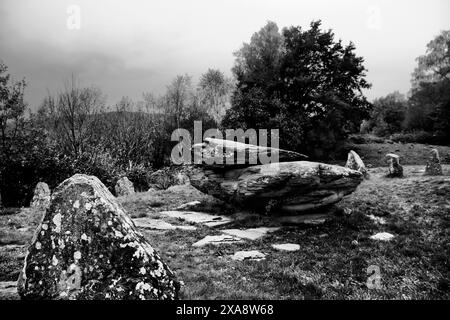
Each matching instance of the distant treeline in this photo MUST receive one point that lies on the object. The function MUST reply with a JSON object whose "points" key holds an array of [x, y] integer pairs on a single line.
{"points": [[423, 116], [300, 81]]}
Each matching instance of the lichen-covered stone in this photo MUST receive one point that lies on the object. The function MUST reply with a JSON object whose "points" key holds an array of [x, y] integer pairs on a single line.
{"points": [[293, 187], [354, 162], [433, 167], [395, 169], [86, 247], [124, 187], [41, 197]]}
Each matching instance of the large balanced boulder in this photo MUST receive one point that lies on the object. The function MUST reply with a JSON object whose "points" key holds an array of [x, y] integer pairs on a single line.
{"points": [[354, 162], [433, 167], [292, 187], [124, 187], [86, 247], [219, 153], [395, 169], [41, 197]]}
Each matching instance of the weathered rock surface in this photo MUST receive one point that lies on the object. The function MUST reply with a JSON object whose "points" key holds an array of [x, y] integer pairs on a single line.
{"points": [[220, 153], [189, 206], [250, 234], [156, 224], [354, 162], [288, 186], [382, 236], [198, 217], [217, 240], [395, 169], [41, 197], [124, 187], [87, 247], [249, 255], [433, 167], [286, 247]]}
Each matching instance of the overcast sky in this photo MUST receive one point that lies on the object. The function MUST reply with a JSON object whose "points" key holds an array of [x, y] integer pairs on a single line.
{"points": [[129, 47]]}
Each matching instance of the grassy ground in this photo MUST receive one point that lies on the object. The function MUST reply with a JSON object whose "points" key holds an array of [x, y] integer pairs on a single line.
{"points": [[334, 257]]}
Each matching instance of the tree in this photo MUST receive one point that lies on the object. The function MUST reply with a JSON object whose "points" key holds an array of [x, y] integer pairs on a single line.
{"points": [[12, 108], [434, 66], [214, 91], [429, 104], [73, 113], [388, 114], [308, 85], [179, 96]]}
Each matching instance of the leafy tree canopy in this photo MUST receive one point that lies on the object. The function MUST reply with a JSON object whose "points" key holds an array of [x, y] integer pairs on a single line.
{"points": [[304, 83]]}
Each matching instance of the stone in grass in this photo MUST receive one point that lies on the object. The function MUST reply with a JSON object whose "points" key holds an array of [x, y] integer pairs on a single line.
{"points": [[217, 240], [41, 197], [250, 234], [354, 162], [382, 236], [249, 255], [286, 247], [433, 167], [87, 247], [189, 205], [208, 220], [124, 187], [156, 224], [395, 169]]}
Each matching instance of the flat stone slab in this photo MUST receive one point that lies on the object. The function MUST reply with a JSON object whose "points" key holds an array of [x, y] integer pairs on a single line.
{"points": [[251, 234], [249, 255], [382, 236], [286, 247], [189, 205], [198, 217], [217, 240], [156, 224]]}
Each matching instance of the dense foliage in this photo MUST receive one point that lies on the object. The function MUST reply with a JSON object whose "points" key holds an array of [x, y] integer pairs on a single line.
{"points": [[425, 115], [302, 82]]}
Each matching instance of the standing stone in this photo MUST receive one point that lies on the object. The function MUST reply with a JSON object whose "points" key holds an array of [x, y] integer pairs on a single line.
{"points": [[41, 198], [354, 162], [124, 187], [395, 169], [433, 167], [86, 247]]}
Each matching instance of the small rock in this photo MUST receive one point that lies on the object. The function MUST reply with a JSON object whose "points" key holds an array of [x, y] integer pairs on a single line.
{"points": [[249, 255], [198, 217], [354, 243], [124, 187], [41, 198], [382, 236], [189, 205], [287, 247], [217, 240]]}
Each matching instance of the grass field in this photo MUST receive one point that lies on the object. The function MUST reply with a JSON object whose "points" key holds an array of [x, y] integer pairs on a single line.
{"points": [[334, 257]]}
